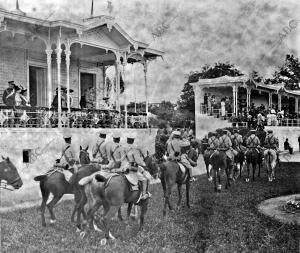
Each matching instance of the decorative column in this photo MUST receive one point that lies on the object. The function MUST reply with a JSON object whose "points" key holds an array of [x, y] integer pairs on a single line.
{"points": [[199, 99], [125, 100], [279, 102], [248, 100], [68, 54], [296, 105], [117, 68], [104, 82], [58, 60], [270, 100], [234, 91], [49, 74], [145, 63]]}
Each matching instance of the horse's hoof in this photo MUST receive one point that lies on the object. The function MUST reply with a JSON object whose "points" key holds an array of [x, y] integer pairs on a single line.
{"points": [[52, 221], [82, 234], [96, 228], [78, 230]]}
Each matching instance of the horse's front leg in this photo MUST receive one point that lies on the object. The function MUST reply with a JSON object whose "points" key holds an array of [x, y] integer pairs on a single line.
{"points": [[179, 196], [144, 208], [248, 171], [187, 193], [253, 171]]}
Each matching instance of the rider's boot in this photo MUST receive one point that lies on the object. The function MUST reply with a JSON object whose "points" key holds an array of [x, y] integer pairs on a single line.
{"points": [[145, 195]]}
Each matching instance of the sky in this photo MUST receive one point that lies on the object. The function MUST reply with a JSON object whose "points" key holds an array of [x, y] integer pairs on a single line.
{"points": [[192, 33]]}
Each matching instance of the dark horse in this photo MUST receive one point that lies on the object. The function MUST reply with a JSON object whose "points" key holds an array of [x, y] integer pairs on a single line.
{"points": [[113, 192], [239, 159], [170, 175], [9, 174], [206, 156], [254, 158], [219, 161], [57, 184]]}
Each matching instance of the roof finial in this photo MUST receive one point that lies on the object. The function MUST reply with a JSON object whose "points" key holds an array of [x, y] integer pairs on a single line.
{"points": [[17, 5], [18, 11], [92, 9]]}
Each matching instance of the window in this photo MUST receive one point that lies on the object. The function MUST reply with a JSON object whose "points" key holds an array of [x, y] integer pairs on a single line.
{"points": [[27, 153]]}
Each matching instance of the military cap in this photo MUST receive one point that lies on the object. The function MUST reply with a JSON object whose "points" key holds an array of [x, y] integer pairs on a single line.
{"points": [[270, 131], [176, 133], [11, 82], [67, 136], [225, 131]]}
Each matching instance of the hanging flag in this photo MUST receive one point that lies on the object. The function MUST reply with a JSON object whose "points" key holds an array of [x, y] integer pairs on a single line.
{"points": [[92, 8]]}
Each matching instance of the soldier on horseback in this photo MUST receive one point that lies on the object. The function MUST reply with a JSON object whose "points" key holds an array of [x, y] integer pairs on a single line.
{"points": [[187, 162], [115, 152], [225, 144], [271, 145], [135, 164], [253, 144], [173, 147], [213, 144], [99, 150], [67, 160]]}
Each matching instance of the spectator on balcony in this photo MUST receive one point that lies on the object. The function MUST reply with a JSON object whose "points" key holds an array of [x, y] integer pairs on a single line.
{"points": [[9, 94], [90, 97], [63, 98], [20, 96], [223, 107]]}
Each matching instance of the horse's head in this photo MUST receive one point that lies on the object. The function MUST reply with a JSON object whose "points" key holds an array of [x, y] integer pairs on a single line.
{"points": [[9, 173], [84, 156], [152, 165]]}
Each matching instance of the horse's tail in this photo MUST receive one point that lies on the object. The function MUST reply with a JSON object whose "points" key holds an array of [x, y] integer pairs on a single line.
{"points": [[100, 178], [40, 178], [163, 177]]}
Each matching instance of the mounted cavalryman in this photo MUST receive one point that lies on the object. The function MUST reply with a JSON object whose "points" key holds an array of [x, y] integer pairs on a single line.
{"points": [[173, 146], [99, 150]]}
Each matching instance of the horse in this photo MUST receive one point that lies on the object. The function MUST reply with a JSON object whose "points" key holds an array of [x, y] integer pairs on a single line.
{"points": [[219, 161], [113, 190], [57, 184], [171, 174], [253, 157], [206, 156], [9, 174], [270, 159], [239, 159]]}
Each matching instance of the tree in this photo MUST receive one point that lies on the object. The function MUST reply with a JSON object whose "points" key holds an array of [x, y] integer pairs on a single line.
{"points": [[289, 74], [186, 101]]}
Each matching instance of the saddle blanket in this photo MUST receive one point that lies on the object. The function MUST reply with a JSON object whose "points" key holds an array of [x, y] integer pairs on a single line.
{"points": [[131, 177], [66, 173], [182, 168]]}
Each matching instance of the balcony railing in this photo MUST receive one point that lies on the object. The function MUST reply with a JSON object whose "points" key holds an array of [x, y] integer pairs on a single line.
{"points": [[33, 117]]}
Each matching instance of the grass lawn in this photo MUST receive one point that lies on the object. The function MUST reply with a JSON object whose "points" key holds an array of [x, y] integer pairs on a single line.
{"points": [[223, 222]]}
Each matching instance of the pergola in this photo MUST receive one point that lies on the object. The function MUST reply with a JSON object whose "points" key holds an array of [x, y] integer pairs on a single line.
{"points": [[96, 40]]}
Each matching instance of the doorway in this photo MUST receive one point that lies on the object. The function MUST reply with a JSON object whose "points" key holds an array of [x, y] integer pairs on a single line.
{"points": [[37, 86], [87, 80]]}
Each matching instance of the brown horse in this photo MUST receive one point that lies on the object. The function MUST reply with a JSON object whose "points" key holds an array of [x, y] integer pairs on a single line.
{"points": [[253, 157], [219, 161], [9, 174], [113, 192], [170, 175], [56, 184]]}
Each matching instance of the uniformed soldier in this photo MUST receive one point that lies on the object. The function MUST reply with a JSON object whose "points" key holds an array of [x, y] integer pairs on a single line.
{"points": [[271, 142], [213, 144], [67, 158], [99, 150], [9, 94], [204, 143], [226, 144], [253, 141], [237, 141], [187, 162], [173, 146], [115, 152], [135, 163]]}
